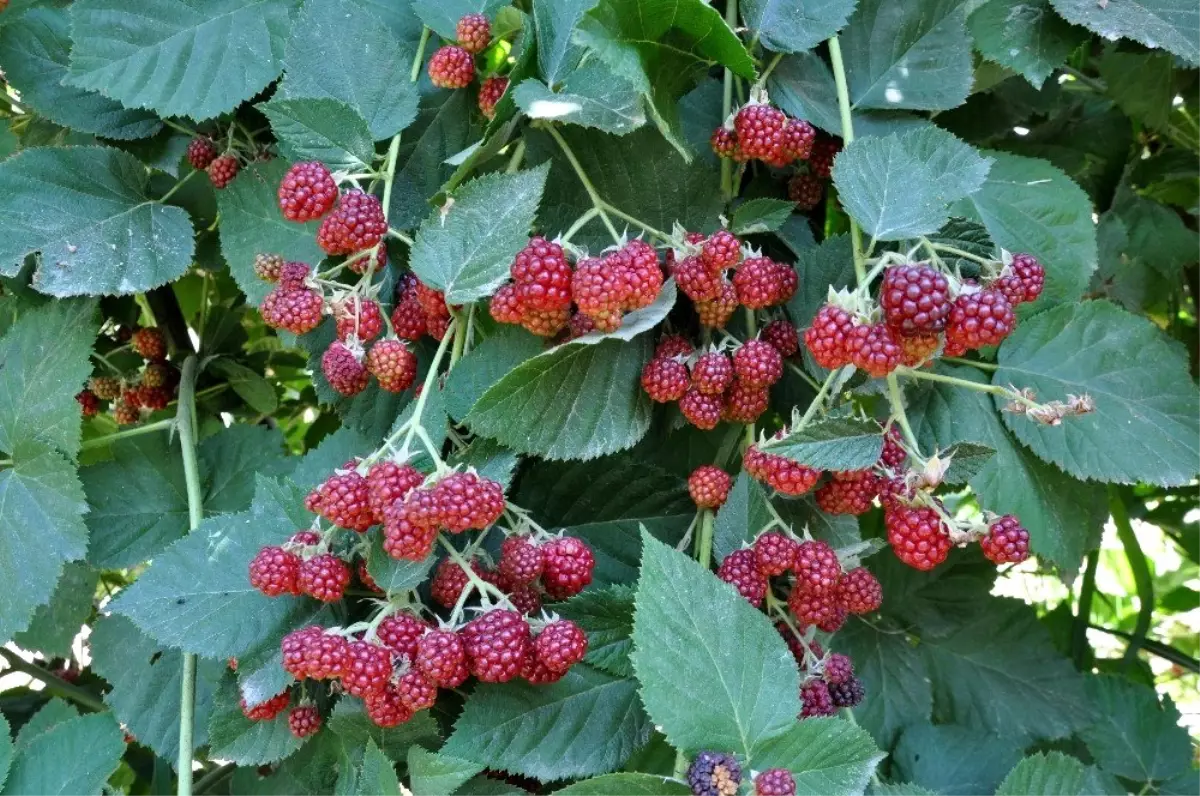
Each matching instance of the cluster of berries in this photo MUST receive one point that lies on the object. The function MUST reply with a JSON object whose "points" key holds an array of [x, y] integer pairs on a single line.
{"points": [[720, 774], [354, 222], [152, 389], [807, 188], [414, 514], [701, 268], [762, 132], [713, 385], [304, 564], [303, 720], [221, 167], [827, 681], [602, 289], [453, 66], [919, 307]]}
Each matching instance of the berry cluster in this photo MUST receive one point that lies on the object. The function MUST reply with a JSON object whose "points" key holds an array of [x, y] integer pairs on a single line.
{"points": [[304, 565], [222, 167], [807, 188], [151, 388], [455, 502], [701, 270], [555, 567], [827, 681], [713, 385], [453, 66], [602, 289], [763, 132]]}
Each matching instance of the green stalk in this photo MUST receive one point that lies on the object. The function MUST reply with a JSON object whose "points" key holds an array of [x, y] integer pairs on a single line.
{"points": [[420, 56], [52, 682], [137, 431], [1141, 574], [704, 541], [727, 106], [1083, 612], [992, 389], [389, 174], [598, 203], [185, 418]]}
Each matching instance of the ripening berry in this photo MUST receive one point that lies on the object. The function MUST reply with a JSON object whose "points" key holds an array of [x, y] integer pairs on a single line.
{"points": [[817, 568], [307, 192], [740, 569], [714, 774], [344, 369], [106, 388], [416, 692], [713, 373], [567, 566], [385, 708], [600, 285], [448, 583], [775, 782], [505, 306], [520, 560], [645, 274], [761, 282], [304, 720], [358, 317], [408, 319], [356, 223], [873, 349], [781, 336], [404, 539], [775, 553], [368, 668], [806, 190], [392, 364], [665, 379], [268, 709], [673, 345], [560, 645], [268, 266], [401, 632], [473, 32], [466, 500], [324, 577], [917, 535], [344, 499], [978, 320], [295, 310], [201, 152], [826, 339], [709, 486], [697, 281], [745, 404], [496, 644], [815, 700], [490, 92], [849, 493], [275, 571], [724, 143], [1005, 542], [701, 410], [1025, 281], [149, 343], [838, 668], [542, 276], [452, 67], [222, 171], [915, 299], [716, 312], [859, 592], [88, 402], [721, 251], [824, 150], [917, 349], [799, 136], [760, 132], [757, 364], [821, 610], [442, 658], [781, 474]]}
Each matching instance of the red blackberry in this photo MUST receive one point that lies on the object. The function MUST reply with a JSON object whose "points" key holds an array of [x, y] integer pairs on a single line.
{"points": [[701, 410], [442, 658], [542, 276], [600, 286], [546, 324], [814, 696], [125, 413], [496, 644], [155, 374], [368, 668], [293, 646], [389, 481], [408, 319], [665, 380], [709, 486], [307, 192], [374, 258], [721, 251], [324, 577], [789, 281], [806, 190], [1005, 542], [826, 339], [356, 223], [978, 320], [393, 365], [296, 311], [149, 343], [201, 152], [132, 396], [275, 571], [847, 694], [799, 136], [304, 539], [724, 142], [385, 708], [473, 32], [893, 455], [423, 507], [740, 569], [465, 500], [1025, 281], [364, 577], [917, 349], [567, 566], [106, 388], [673, 345], [859, 592], [88, 402], [697, 281], [838, 669], [505, 306], [560, 645], [490, 92], [775, 782], [400, 632], [716, 313], [451, 67], [358, 317], [915, 299], [415, 690], [775, 553], [438, 327], [781, 336], [325, 655], [222, 171], [294, 276], [304, 721], [817, 568], [714, 774], [153, 398], [849, 493], [824, 150], [536, 672], [759, 282], [265, 711], [917, 535], [520, 561], [525, 599], [745, 404], [448, 583], [345, 500], [404, 539], [783, 475], [713, 373], [873, 349], [760, 132], [645, 274], [344, 369], [757, 364]]}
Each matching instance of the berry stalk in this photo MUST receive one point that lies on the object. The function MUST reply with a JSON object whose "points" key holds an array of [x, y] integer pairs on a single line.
{"points": [[148, 428], [52, 682], [727, 105], [185, 419]]}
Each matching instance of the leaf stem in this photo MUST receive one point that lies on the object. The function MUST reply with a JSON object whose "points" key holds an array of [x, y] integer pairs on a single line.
{"points": [[185, 419], [1141, 574], [819, 400], [704, 540], [163, 199], [598, 203], [389, 174], [844, 108], [897, 402], [104, 361], [420, 56], [727, 105], [579, 223], [53, 683], [176, 126], [1083, 612], [400, 236], [518, 155], [149, 428], [993, 389], [975, 363], [966, 255]]}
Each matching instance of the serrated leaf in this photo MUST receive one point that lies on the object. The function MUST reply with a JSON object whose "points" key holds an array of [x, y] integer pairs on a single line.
{"points": [[839, 530], [75, 756], [392, 575], [832, 444], [1135, 736], [591, 96], [744, 513], [1141, 84], [320, 128], [624, 487], [1048, 773], [791, 26], [250, 385], [55, 624], [825, 756], [894, 673], [898, 789], [760, 215], [333, 451], [443, 15], [145, 680], [950, 758], [371, 76], [87, 212], [555, 21], [41, 511], [606, 615], [48, 716], [908, 55], [887, 190], [627, 785], [967, 459], [351, 724], [232, 736], [44, 361], [435, 773], [467, 251], [1147, 418], [35, 48], [1154, 23], [574, 402], [490, 459], [751, 684], [638, 321], [196, 58], [617, 543], [6, 749], [447, 122], [486, 364], [956, 168], [587, 723], [1025, 36], [377, 775], [1029, 206]]}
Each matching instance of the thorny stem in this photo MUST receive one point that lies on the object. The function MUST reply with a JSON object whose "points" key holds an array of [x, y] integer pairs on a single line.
{"points": [[420, 56], [619, 213], [993, 389], [149, 428], [185, 419], [53, 683]]}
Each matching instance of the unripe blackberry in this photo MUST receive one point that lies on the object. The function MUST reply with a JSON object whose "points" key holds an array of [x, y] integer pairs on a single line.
{"points": [[917, 535], [697, 281], [645, 274], [673, 345], [849, 493], [709, 486], [201, 152], [826, 339], [760, 132], [600, 286], [740, 569], [798, 136], [759, 282], [222, 171], [806, 190], [893, 455], [721, 251], [296, 311], [520, 560], [451, 67], [701, 410], [294, 276], [465, 500], [724, 142], [775, 782], [1025, 282], [88, 402], [505, 306], [293, 647], [847, 694], [401, 632], [536, 672], [781, 474], [416, 692], [490, 92], [404, 539], [269, 709], [714, 774], [307, 192], [859, 592], [526, 599], [496, 644], [781, 336], [796, 646], [916, 349], [567, 565], [393, 365], [408, 319], [1005, 542], [345, 500], [665, 379], [546, 323], [473, 32], [713, 373], [106, 388], [358, 317], [817, 568], [344, 369], [824, 150], [873, 350], [542, 276], [815, 699], [775, 553], [448, 583], [324, 577], [368, 668], [149, 343], [442, 658], [745, 404], [385, 708], [716, 313], [838, 669], [978, 320], [357, 223], [304, 720], [915, 299], [275, 571], [560, 645], [757, 364]]}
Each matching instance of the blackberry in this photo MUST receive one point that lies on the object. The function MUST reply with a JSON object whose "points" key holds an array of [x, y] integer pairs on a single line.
{"points": [[452, 67], [859, 592], [816, 700], [873, 350], [1005, 542], [701, 410], [847, 694], [827, 337], [915, 299], [760, 132], [978, 320], [714, 774], [713, 373], [745, 404], [775, 553], [740, 569], [917, 535]]}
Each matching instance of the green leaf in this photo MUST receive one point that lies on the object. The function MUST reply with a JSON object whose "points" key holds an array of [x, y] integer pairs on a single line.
{"points": [[606, 615], [260, 671], [434, 773], [41, 512], [955, 168], [1147, 416], [44, 361], [1030, 206], [486, 364], [1141, 85], [443, 15], [627, 785], [145, 680], [590, 96], [830, 264], [617, 543], [50, 715], [573, 402], [908, 55], [1010, 653], [232, 736], [321, 128], [178, 57], [1025, 36], [950, 758], [334, 451], [967, 459], [490, 459], [555, 21], [1048, 773], [35, 48], [1134, 736], [825, 756], [744, 514], [832, 444], [895, 675], [466, 252], [377, 774], [55, 624], [252, 224], [792, 26], [351, 724], [250, 385], [751, 686], [371, 76], [392, 575], [760, 215], [75, 756], [6, 749], [587, 723], [186, 597], [1155, 234], [898, 789], [1155, 23], [624, 487], [1062, 515]]}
